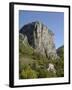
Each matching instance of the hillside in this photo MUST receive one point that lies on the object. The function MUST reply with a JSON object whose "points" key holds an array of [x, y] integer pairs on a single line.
{"points": [[37, 54], [32, 64], [60, 51]]}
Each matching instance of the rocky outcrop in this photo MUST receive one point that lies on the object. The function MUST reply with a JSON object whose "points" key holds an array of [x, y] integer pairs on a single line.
{"points": [[40, 38], [51, 68]]}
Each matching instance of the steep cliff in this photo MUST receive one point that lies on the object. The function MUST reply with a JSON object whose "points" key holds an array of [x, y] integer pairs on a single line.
{"points": [[40, 38]]}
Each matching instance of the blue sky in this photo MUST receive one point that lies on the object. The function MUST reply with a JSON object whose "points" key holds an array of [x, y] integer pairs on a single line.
{"points": [[53, 20]]}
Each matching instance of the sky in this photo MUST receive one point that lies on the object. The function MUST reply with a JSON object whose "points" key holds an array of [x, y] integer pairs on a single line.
{"points": [[53, 20]]}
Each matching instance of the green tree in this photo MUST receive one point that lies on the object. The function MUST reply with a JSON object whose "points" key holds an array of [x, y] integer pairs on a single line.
{"points": [[42, 73], [28, 73]]}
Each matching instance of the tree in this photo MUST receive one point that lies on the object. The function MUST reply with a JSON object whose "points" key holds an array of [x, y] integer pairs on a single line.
{"points": [[28, 73]]}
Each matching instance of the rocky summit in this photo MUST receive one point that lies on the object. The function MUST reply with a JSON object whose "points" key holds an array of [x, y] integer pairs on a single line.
{"points": [[40, 38]]}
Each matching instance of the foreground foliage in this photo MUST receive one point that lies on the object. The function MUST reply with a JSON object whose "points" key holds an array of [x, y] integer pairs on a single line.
{"points": [[34, 65]]}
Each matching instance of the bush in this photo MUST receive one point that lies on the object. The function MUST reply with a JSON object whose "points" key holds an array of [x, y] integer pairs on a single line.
{"points": [[42, 73], [51, 74], [60, 68], [28, 73]]}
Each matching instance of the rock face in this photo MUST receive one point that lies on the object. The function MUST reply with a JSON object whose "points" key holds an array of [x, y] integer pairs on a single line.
{"points": [[40, 38], [51, 68]]}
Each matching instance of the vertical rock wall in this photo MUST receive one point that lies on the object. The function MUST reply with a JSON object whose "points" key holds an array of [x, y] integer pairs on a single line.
{"points": [[40, 38]]}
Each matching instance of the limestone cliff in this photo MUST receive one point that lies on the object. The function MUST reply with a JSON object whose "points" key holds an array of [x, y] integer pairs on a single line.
{"points": [[40, 38]]}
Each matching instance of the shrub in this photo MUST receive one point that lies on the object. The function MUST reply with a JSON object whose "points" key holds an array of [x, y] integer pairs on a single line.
{"points": [[42, 73], [28, 73]]}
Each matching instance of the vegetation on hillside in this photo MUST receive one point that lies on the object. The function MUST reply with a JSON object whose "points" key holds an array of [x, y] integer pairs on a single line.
{"points": [[34, 65]]}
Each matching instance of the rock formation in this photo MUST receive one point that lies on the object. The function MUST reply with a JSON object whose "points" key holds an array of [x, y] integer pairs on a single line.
{"points": [[51, 68], [40, 38]]}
